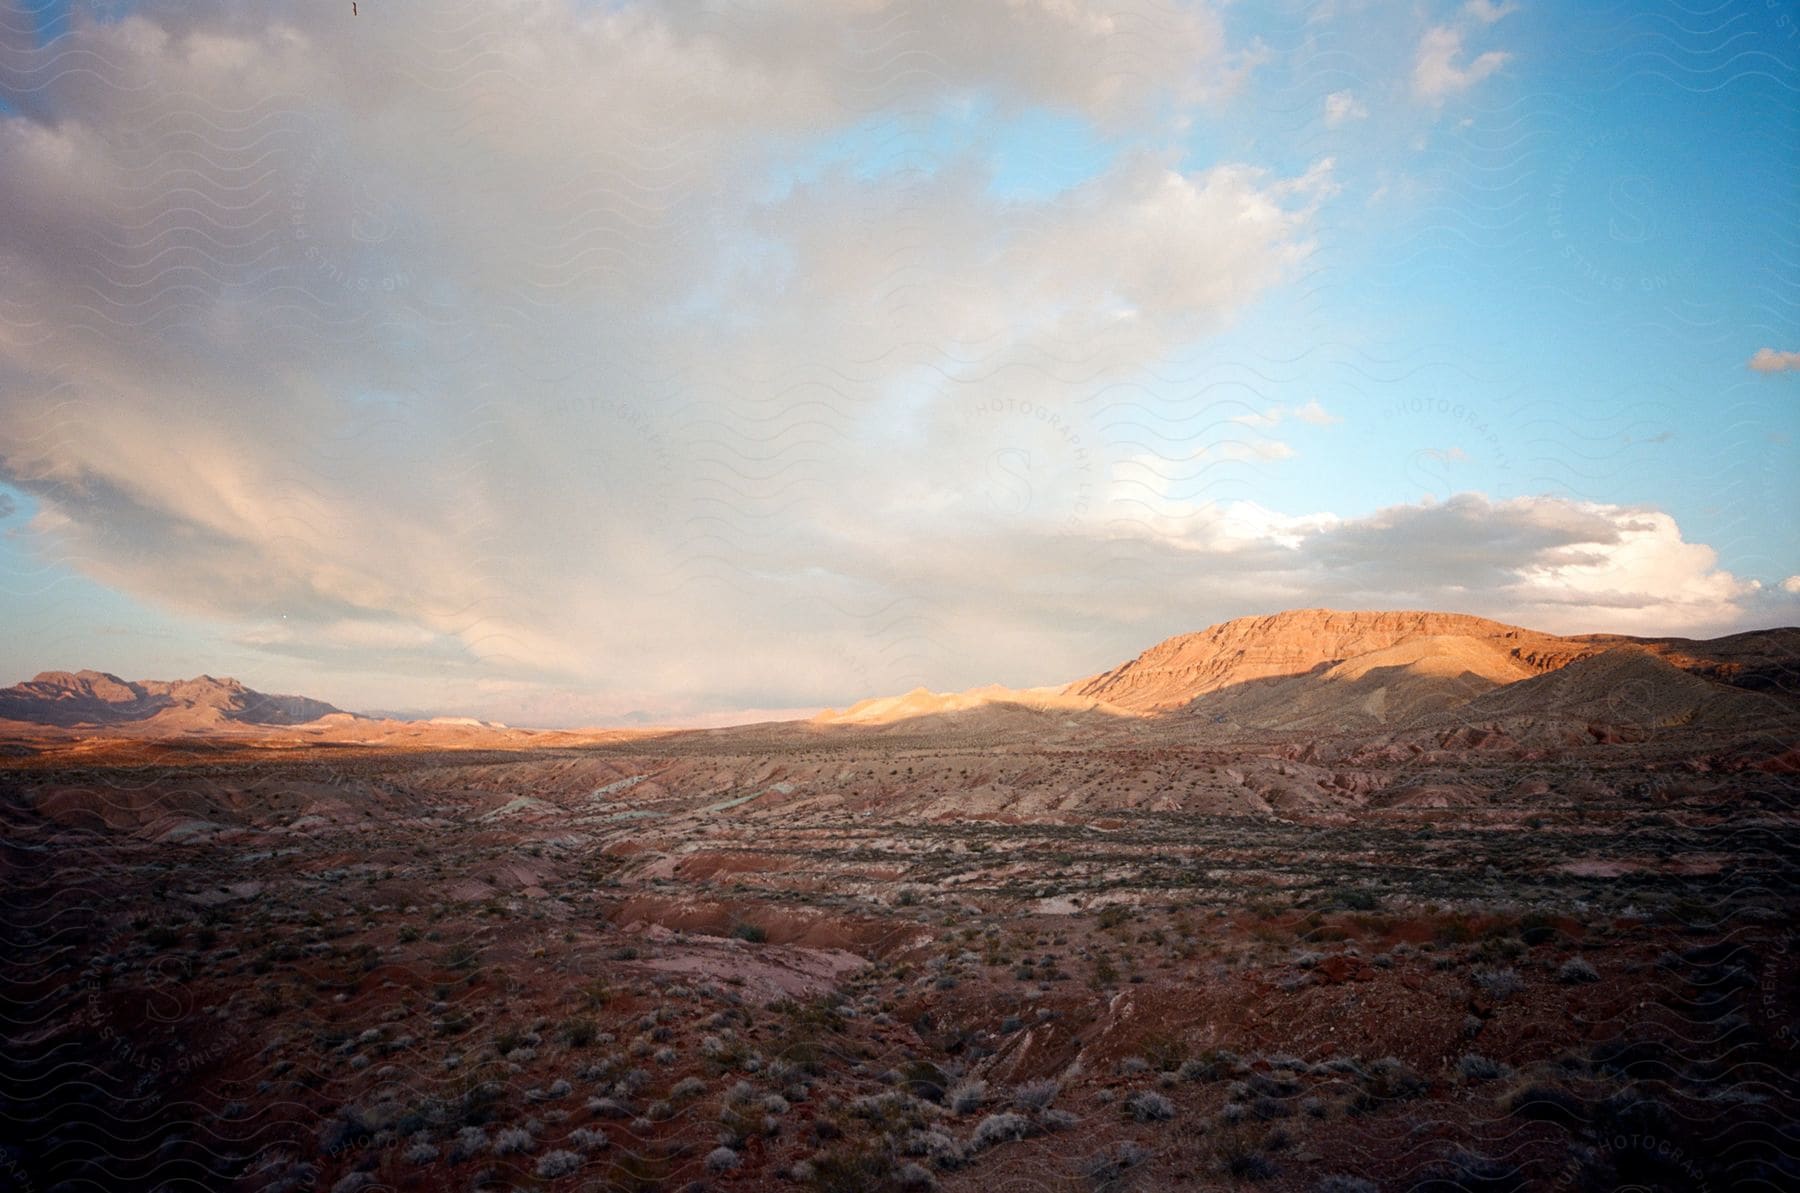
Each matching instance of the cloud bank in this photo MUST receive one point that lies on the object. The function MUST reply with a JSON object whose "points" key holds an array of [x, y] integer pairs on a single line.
{"points": [[671, 358]]}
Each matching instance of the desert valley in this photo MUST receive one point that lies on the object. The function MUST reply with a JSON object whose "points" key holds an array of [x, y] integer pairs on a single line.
{"points": [[1317, 900]]}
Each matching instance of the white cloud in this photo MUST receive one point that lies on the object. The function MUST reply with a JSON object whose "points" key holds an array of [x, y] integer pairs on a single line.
{"points": [[1341, 107], [1437, 72], [1488, 12], [1768, 360], [1545, 562], [1316, 414]]}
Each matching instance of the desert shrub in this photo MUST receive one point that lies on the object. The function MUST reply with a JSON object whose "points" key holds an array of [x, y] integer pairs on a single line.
{"points": [[751, 933], [1270, 1108], [935, 1145], [1207, 1067], [1575, 971], [1036, 1095], [1268, 1083], [965, 1097], [721, 1159], [1148, 1106], [1388, 1080], [586, 1139], [849, 1170], [999, 1128], [1107, 1167], [1057, 1120], [1499, 984], [470, 1141], [1506, 948], [420, 1153], [512, 1139], [558, 1163]]}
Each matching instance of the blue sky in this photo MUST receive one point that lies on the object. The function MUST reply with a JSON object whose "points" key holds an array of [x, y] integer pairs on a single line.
{"points": [[743, 362]]}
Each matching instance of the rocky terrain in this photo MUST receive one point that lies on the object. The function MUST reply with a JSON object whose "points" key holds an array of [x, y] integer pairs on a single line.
{"points": [[1318, 901]]}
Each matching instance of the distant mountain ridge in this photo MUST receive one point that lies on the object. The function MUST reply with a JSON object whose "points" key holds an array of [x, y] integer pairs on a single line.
{"points": [[1177, 671], [97, 698], [1316, 672], [1325, 671]]}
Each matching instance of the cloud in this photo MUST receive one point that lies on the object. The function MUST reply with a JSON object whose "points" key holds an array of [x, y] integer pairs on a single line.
{"points": [[1488, 12], [1546, 562], [603, 419], [1316, 414], [532, 359], [1341, 107], [1437, 75], [1768, 360]]}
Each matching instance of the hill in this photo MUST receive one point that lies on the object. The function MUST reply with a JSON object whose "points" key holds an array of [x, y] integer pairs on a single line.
{"points": [[1175, 672], [99, 699]]}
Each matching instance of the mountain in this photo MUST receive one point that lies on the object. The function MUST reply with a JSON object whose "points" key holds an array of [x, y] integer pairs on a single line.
{"points": [[1323, 672], [1628, 686], [1392, 685], [98, 699], [1313, 672], [1173, 673]]}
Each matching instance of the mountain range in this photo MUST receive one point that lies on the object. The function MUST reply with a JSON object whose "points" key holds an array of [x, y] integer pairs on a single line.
{"points": [[1319, 670], [99, 699], [1308, 671]]}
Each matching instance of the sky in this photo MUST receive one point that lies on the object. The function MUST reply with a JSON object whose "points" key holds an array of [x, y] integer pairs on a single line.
{"points": [[567, 362]]}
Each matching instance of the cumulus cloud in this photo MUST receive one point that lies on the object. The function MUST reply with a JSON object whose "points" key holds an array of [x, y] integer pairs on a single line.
{"points": [[1768, 360], [1316, 415], [1487, 11], [1342, 107], [1439, 71], [1548, 562]]}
